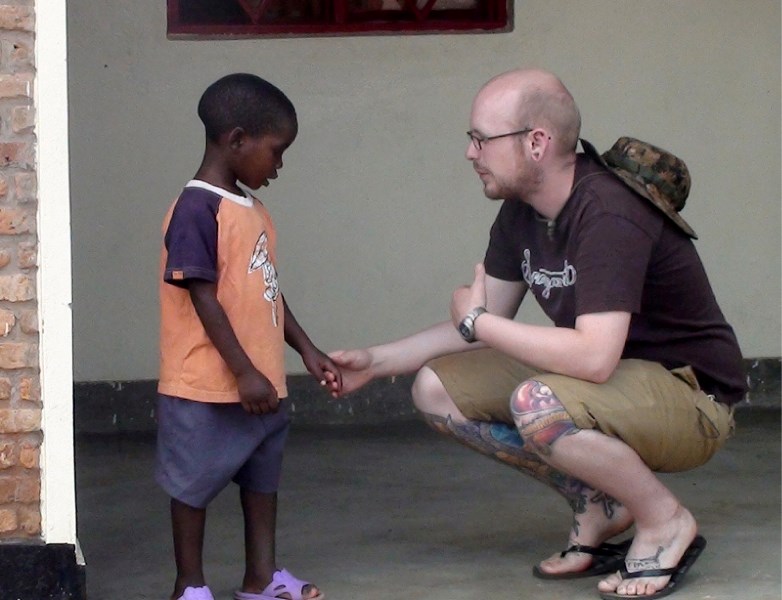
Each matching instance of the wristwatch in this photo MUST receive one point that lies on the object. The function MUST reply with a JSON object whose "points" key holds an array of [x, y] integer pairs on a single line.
{"points": [[467, 326]]}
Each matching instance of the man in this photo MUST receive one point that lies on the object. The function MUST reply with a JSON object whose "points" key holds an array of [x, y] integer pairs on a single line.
{"points": [[638, 374]]}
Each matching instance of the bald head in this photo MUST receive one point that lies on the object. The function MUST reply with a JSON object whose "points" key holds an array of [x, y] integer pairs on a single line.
{"points": [[536, 98]]}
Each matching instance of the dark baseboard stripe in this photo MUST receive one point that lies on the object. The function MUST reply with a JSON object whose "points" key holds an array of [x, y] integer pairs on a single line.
{"points": [[37, 571], [129, 406]]}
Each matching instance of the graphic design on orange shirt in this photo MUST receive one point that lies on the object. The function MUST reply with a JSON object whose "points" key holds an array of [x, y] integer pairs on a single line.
{"points": [[260, 260]]}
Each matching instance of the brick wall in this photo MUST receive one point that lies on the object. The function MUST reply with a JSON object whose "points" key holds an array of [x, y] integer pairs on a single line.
{"points": [[20, 396]]}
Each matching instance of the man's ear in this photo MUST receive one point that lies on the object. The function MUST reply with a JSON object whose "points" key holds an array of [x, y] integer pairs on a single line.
{"points": [[236, 138], [539, 142]]}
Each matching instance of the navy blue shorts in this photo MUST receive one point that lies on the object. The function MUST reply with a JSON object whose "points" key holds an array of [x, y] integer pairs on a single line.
{"points": [[202, 447]]}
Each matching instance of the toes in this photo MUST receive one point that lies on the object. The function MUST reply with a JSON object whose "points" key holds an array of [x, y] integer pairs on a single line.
{"points": [[648, 589], [627, 589], [610, 583], [631, 587], [571, 562]]}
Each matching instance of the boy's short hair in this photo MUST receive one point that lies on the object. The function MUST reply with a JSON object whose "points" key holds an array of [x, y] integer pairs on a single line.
{"points": [[246, 101]]}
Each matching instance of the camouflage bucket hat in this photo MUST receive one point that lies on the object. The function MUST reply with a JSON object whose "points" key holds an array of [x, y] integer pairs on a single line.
{"points": [[651, 172]]}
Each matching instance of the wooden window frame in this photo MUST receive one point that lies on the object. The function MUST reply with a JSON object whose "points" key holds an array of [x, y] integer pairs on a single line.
{"points": [[339, 19]]}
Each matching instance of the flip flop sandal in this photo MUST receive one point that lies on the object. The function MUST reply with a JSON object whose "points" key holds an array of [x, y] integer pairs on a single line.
{"points": [[607, 558], [687, 560], [282, 583]]}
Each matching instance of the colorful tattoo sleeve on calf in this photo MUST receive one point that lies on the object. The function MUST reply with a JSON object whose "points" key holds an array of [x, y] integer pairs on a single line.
{"points": [[503, 443]]}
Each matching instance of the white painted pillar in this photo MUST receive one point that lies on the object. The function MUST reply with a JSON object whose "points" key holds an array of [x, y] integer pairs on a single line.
{"points": [[58, 495]]}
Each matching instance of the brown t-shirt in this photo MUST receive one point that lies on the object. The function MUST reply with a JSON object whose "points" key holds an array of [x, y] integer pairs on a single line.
{"points": [[611, 250]]}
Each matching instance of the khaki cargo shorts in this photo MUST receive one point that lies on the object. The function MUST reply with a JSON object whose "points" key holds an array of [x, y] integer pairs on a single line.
{"points": [[663, 415]]}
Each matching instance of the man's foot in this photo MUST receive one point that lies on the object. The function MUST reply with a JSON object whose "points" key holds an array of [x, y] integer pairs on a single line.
{"points": [[606, 558], [676, 574], [591, 528], [651, 550]]}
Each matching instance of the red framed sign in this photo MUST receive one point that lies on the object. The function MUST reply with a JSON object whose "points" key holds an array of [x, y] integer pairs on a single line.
{"points": [[276, 18]]}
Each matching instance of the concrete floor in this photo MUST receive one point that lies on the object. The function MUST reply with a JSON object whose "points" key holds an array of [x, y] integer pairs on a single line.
{"points": [[396, 512]]}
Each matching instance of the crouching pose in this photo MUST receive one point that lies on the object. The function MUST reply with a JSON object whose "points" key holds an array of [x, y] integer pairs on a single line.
{"points": [[638, 373]]}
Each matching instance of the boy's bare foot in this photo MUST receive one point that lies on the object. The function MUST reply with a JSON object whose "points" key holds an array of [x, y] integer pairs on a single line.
{"points": [[661, 548]]}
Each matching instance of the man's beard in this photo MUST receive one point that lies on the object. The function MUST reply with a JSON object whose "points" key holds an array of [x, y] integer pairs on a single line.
{"points": [[522, 187]]}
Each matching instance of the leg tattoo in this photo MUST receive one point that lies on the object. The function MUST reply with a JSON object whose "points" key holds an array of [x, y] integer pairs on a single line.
{"points": [[643, 564], [503, 443], [540, 416], [542, 420], [496, 440], [582, 496], [608, 503]]}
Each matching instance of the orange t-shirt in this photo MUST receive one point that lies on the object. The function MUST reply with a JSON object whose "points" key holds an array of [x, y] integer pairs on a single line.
{"points": [[215, 235]]}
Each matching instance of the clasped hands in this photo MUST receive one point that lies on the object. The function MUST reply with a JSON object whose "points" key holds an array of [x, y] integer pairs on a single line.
{"points": [[357, 367]]}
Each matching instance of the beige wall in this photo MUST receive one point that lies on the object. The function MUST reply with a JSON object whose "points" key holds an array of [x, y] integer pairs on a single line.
{"points": [[379, 213]]}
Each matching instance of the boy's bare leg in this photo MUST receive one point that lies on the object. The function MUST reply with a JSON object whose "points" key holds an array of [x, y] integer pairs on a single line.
{"points": [[260, 525], [597, 517], [187, 523]]}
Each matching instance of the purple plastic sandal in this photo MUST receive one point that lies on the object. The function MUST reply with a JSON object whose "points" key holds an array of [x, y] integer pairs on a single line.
{"points": [[197, 593], [282, 583]]}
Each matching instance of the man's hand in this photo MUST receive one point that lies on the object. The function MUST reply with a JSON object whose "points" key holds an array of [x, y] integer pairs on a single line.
{"points": [[257, 394], [466, 298], [356, 369]]}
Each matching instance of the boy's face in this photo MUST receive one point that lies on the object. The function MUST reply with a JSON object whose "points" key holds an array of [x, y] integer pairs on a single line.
{"points": [[258, 159]]}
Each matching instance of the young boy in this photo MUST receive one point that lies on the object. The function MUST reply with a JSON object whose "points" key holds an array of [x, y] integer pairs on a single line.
{"points": [[221, 411]]}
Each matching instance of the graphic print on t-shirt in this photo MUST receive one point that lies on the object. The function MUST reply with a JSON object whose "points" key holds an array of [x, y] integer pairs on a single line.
{"points": [[260, 260], [546, 279]]}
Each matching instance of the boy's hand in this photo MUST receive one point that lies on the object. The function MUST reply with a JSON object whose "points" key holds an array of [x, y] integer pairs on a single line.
{"points": [[257, 394], [355, 366], [324, 370]]}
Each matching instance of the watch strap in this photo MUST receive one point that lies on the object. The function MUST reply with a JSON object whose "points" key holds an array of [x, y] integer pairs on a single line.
{"points": [[467, 326]]}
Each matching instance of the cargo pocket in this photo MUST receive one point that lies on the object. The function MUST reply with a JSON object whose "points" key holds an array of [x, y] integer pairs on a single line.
{"points": [[714, 419], [715, 424]]}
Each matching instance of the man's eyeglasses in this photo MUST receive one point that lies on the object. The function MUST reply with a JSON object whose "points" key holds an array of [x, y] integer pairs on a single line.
{"points": [[478, 140]]}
